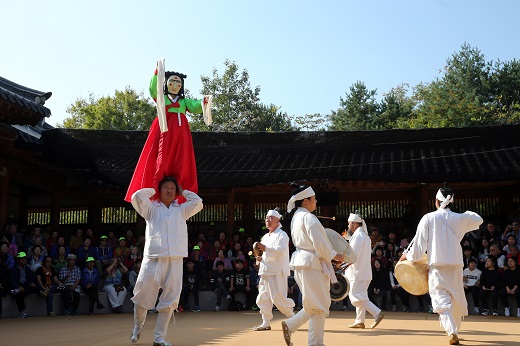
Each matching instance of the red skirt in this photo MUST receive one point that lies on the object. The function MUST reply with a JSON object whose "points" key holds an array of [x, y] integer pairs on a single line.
{"points": [[168, 153]]}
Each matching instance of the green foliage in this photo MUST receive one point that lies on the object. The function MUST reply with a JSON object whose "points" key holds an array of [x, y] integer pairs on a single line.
{"points": [[311, 122], [357, 111], [237, 106], [126, 110], [470, 92]]}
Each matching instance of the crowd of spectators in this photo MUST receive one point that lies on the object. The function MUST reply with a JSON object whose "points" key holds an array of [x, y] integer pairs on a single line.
{"points": [[42, 261]]}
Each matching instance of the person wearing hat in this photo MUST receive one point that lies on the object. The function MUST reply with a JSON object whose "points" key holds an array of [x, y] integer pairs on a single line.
{"points": [[47, 282], [273, 271], [313, 270], [359, 273], [89, 283], [105, 255], [439, 234], [70, 276], [166, 246], [122, 251], [21, 283]]}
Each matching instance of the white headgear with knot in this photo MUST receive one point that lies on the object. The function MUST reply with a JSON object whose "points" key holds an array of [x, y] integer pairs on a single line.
{"points": [[308, 192], [354, 217], [274, 213], [444, 200]]}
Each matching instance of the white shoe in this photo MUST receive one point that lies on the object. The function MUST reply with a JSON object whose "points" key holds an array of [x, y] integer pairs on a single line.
{"points": [[136, 334], [161, 343], [506, 312], [217, 308], [477, 311]]}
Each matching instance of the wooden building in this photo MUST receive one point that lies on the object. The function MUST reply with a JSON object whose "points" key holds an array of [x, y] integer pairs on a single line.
{"points": [[70, 177]]}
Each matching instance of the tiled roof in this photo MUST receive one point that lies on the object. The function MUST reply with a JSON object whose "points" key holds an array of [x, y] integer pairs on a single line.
{"points": [[225, 160], [27, 98]]}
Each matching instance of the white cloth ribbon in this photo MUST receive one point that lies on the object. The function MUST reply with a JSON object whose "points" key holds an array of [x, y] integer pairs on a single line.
{"points": [[206, 109], [308, 192], [161, 107], [327, 268], [444, 200]]}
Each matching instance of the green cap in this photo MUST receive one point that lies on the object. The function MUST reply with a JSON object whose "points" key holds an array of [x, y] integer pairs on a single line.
{"points": [[196, 247], [90, 259], [122, 238], [212, 223], [21, 254], [103, 237], [241, 229]]}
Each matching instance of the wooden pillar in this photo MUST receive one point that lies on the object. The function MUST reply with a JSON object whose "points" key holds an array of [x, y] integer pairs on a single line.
{"points": [[230, 211], [94, 215], [23, 205], [4, 193], [248, 213], [55, 208], [423, 200]]}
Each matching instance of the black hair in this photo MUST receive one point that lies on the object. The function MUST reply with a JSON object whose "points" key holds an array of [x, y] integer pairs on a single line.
{"points": [[171, 179], [219, 263], [446, 191], [472, 260], [494, 260], [167, 75], [297, 189], [238, 260]]}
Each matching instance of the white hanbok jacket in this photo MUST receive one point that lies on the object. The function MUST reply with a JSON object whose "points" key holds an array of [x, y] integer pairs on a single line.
{"points": [[275, 258], [361, 270], [166, 229]]}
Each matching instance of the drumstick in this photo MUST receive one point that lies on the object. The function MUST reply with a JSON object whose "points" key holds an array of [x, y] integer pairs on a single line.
{"points": [[327, 217]]}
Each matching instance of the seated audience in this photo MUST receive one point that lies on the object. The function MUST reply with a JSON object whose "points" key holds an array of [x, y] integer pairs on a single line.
{"points": [[121, 252], [490, 286], [222, 258], [85, 251], [471, 278], [240, 282], [220, 283], [47, 282], [510, 283], [76, 240], [70, 277], [191, 280], [114, 287], [21, 283], [7, 260], [397, 289], [89, 284], [380, 284]]}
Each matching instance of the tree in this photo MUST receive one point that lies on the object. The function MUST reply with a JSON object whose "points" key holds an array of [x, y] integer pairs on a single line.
{"points": [[126, 110], [506, 98], [461, 97], [311, 122], [395, 108], [357, 111], [236, 105]]}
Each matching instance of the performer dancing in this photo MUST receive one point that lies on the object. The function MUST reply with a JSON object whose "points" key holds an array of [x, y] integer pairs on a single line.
{"points": [[274, 271], [359, 274], [166, 245], [168, 150], [439, 234], [312, 267]]}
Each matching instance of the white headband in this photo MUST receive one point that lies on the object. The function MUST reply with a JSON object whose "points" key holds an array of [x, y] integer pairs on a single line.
{"points": [[356, 218], [308, 192], [274, 213], [444, 200]]}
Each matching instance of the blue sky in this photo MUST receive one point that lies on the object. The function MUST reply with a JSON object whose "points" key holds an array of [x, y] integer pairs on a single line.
{"points": [[303, 54]]}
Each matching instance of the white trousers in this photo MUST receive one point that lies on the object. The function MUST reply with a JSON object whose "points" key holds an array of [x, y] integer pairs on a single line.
{"points": [[448, 298], [115, 298], [272, 289], [315, 288], [155, 273], [359, 298]]}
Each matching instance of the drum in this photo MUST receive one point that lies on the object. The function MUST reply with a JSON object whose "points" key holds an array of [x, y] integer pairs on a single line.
{"points": [[256, 251], [341, 245], [413, 277], [339, 290]]}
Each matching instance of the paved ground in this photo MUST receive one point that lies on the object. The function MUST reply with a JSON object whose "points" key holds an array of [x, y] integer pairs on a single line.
{"points": [[234, 328]]}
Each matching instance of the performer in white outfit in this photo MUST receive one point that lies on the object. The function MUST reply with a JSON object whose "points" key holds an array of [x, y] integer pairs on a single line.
{"points": [[273, 271], [166, 245], [312, 267], [439, 234], [359, 274]]}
